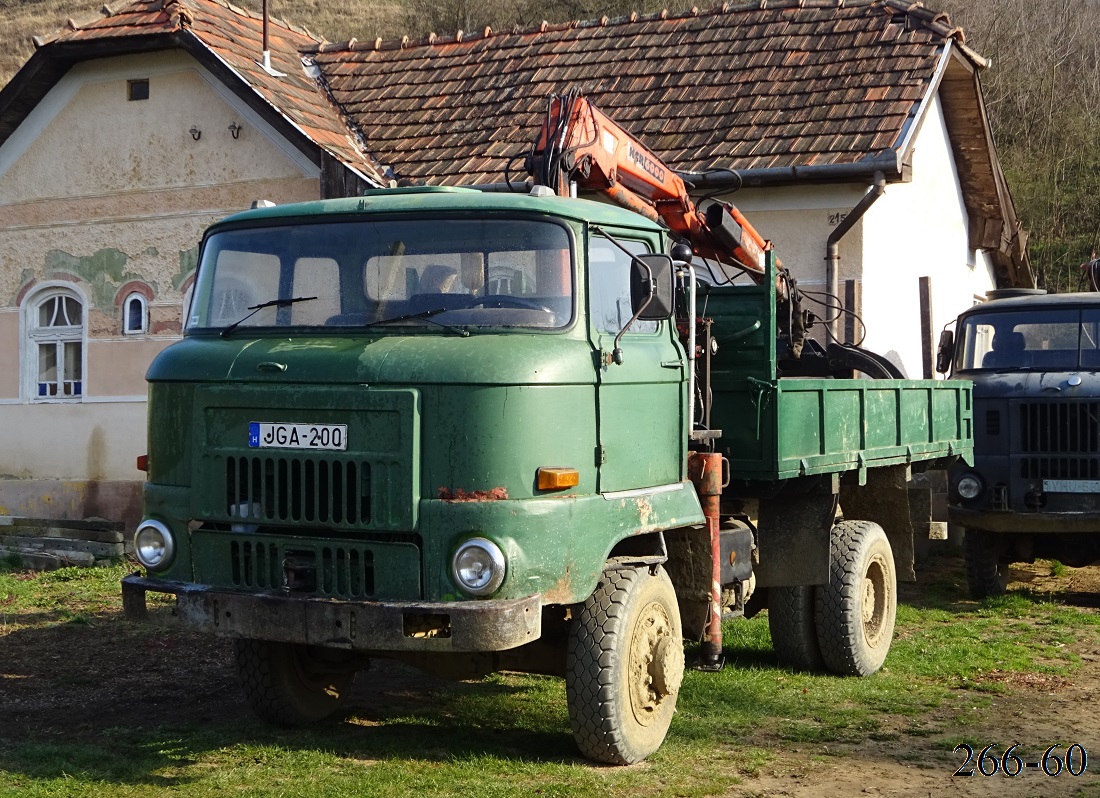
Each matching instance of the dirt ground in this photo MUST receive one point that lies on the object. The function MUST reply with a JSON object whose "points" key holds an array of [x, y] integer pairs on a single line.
{"points": [[1035, 711], [72, 680]]}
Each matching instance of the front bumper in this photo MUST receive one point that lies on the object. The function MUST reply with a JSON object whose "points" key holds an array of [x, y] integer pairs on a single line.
{"points": [[490, 625], [1033, 522]]}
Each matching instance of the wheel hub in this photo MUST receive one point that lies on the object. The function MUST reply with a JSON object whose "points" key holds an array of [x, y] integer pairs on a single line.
{"points": [[873, 609], [656, 664]]}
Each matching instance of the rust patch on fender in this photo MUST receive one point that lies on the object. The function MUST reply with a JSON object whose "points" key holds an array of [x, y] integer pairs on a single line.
{"points": [[460, 495], [562, 590], [645, 511]]}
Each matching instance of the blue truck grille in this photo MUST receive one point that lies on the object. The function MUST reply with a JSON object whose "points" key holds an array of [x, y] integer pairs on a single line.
{"points": [[1059, 440]]}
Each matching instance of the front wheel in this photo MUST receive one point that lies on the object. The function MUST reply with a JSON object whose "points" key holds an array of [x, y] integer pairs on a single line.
{"points": [[856, 609], [624, 666], [292, 685]]}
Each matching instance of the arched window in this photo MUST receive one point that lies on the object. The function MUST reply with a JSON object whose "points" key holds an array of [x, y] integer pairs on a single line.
{"points": [[55, 329], [135, 314]]}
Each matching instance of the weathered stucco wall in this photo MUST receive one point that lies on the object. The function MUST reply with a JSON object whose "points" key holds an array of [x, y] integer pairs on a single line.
{"points": [[111, 195]]}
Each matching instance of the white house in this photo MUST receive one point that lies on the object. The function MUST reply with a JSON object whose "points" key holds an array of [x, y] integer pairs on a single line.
{"points": [[125, 135]]}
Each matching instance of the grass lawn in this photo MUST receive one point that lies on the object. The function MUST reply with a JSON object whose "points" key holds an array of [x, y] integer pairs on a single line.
{"points": [[88, 706]]}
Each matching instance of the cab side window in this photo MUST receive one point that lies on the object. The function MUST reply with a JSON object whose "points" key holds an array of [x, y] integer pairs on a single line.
{"points": [[609, 286]]}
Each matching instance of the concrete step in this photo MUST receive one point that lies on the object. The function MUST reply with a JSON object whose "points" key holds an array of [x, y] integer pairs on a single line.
{"points": [[99, 551], [50, 560], [97, 530]]}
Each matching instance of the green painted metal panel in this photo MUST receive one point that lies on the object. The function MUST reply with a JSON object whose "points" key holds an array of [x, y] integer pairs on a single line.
{"points": [[349, 569], [373, 485], [493, 438], [555, 546]]}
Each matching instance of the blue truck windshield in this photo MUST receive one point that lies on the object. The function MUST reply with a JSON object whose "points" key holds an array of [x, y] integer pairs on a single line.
{"points": [[1039, 339], [460, 272]]}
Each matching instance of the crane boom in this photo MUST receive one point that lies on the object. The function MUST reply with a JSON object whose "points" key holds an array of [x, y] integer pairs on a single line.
{"points": [[579, 143]]}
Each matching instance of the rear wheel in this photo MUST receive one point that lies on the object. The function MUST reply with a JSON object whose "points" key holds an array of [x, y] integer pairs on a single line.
{"points": [[624, 666], [793, 624], [856, 609], [985, 576], [292, 685]]}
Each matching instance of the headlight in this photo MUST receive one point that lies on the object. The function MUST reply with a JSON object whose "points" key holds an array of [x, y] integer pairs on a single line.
{"points": [[969, 486], [478, 567], [153, 544]]}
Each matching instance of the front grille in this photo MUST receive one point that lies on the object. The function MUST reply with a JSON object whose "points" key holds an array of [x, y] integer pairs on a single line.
{"points": [[1059, 440], [330, 570], [298, 489], [1060, 427], [1059, 468]]}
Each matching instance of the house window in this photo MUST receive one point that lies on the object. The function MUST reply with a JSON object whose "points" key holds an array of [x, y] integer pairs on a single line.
{"points": [[56, 338], [137, 89], [135, 315]]}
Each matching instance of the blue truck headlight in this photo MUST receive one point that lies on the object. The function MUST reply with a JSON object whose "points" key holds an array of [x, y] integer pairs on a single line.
{"points": [[478, 567], [153, 544], [969, 486]]}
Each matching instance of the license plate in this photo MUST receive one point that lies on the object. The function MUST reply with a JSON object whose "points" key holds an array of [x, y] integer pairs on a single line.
{"points": [[1071, 485], [264, 435]]}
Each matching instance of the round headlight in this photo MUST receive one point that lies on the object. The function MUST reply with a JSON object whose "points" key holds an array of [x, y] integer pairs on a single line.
{"points": [[478, 567], [153, 544], [969, 486]]}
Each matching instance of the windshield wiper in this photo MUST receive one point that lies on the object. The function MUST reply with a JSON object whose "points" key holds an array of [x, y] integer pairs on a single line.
{"points": [[426, 315], [273, 303]]}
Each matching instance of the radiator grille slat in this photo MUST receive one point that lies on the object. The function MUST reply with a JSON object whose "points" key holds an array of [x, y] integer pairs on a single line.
{"points": [[298, 490], [345, 571], [1059, 440]]}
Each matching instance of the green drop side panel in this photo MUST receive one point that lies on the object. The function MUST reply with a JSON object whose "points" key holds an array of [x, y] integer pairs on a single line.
{"points": [[782, 428]]}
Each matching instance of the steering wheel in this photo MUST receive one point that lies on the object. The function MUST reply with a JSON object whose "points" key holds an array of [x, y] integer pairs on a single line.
{"points": [[509, 301]]}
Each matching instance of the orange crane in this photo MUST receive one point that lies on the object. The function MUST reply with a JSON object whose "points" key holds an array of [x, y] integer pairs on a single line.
{"points": [[579, 143]]}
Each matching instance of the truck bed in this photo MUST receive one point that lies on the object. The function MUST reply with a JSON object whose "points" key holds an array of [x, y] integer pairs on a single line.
{"points": [[776, 428]]}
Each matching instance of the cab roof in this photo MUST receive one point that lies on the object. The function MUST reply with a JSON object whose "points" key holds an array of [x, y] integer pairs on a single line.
{"points": [[444, 199], [1036, 301]]}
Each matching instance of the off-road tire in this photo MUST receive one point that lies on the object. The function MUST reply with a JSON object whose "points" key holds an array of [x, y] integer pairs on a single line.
{"points": [[288, 684], [856, 609], [792, 619], [624, 666], [985, 576]]}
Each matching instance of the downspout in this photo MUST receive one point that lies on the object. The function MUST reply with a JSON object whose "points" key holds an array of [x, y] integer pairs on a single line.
{"points": [[832, 251]]}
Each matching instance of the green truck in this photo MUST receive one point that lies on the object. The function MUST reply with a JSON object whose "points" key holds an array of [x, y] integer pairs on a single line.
{"points": [[476, 432]]}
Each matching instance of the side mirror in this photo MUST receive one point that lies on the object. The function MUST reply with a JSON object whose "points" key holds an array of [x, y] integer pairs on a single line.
{"points": [[651, 293], [945, 352]]}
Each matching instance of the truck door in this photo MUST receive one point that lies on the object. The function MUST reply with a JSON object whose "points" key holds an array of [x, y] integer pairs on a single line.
{"points": [[641, 402]]}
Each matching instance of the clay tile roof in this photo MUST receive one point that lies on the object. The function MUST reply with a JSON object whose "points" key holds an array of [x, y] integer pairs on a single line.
{"points": [[772, 83], [233, 36]]}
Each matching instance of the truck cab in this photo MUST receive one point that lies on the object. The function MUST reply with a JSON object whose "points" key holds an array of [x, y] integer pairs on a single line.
{"points": [[1034, 488]]}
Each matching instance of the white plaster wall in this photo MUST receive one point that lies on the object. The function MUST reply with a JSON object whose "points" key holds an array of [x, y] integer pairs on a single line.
{"points": [[798, 221], [919, 229], [914, 229], [91, 441], [100, 191]]}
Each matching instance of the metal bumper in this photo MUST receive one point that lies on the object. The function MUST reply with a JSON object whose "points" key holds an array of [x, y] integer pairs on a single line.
{"points": [[1036, 523], [490, 625]]}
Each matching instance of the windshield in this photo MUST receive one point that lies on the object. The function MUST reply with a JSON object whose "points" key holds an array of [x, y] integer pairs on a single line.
{"points": [[1039, 339], [425, 272]]}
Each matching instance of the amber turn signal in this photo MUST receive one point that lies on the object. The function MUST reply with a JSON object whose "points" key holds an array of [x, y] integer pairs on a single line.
{"points": [[143, 462], [556, 478]]}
